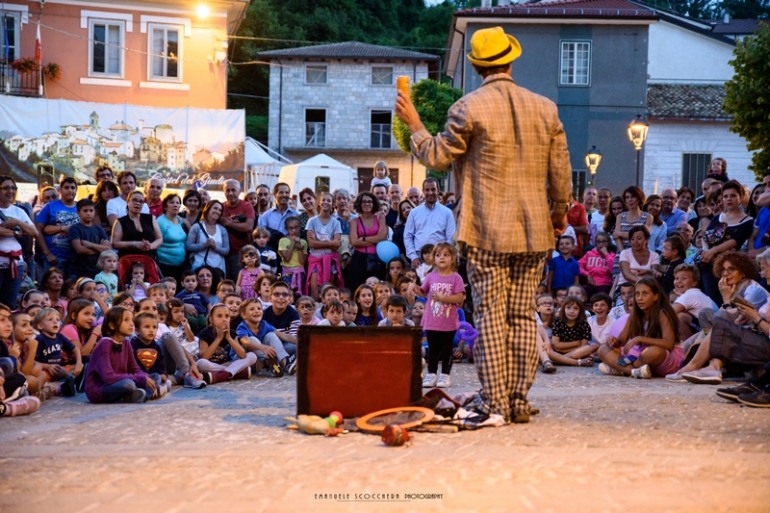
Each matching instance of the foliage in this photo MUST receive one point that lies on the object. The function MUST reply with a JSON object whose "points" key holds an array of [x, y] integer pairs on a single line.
{"points": [[746, 8], [52, 71], [276, 24], [24, 65], [748, 97], [256, 127], [432, 101]]}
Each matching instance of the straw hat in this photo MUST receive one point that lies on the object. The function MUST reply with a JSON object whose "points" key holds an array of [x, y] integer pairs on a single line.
{"points": [[493, 47]]}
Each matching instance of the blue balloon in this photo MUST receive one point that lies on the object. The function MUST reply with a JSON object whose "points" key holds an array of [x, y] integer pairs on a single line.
{"points": [[387, 251]]}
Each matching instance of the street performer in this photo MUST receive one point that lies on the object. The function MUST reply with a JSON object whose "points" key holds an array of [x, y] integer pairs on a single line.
{"points": [[508, 147]]}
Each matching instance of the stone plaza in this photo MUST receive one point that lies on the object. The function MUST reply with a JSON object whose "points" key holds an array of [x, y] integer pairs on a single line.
{"points": [[600, 444]]}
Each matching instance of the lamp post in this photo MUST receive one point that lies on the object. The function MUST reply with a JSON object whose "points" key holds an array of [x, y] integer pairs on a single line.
{"points": [[593, 159], [637, 134]]}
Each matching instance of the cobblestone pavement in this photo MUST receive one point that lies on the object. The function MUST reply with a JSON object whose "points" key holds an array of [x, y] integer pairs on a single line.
{"points": [[601, 444]]}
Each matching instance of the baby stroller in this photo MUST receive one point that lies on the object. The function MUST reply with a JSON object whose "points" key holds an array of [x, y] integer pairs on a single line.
{"points": [[152, 272]]}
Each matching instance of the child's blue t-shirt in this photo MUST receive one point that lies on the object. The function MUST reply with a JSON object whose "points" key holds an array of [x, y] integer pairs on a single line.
{"points": [[564, 272], [265, 327], [49, 350], [57, 213], [195, 298]]}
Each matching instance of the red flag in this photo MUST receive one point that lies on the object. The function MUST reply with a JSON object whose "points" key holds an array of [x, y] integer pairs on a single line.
{"points": [[38, 47]]}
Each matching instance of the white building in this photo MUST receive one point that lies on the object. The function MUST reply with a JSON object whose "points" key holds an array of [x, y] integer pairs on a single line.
{"points": [[688, 67]]}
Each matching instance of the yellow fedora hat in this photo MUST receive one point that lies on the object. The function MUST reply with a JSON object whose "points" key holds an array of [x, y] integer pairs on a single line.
{"points": [[493, 47]]}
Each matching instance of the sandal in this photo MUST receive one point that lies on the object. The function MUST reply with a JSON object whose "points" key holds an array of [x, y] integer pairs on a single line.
{"points": [[585, 362], [548, 367]]}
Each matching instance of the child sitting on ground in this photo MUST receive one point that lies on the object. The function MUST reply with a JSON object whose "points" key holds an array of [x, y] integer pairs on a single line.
{"points": [[306, 308], [382, 291], [647, 344], [24, 348], [571, 335], [148, 353], [395, 313], [350, 312], [222, 356], [262, 288], [600, 321], [333, 313], [50, 354], [113, 374], [170, 284], [158, 292], [258, 336]]}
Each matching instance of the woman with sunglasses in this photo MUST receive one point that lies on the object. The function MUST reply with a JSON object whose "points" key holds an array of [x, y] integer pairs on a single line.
{"points": [[14, 223], [136, 233]]}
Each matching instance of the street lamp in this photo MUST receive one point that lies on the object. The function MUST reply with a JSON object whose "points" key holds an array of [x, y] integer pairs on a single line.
{"points": [[593, 159], [637, 134]]}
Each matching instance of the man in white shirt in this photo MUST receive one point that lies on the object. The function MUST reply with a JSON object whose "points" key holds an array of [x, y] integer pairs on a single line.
{"points": [[118, 207], [429, 223]]}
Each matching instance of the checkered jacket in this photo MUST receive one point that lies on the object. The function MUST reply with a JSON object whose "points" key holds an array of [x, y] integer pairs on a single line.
{"points": [[505, 144]]}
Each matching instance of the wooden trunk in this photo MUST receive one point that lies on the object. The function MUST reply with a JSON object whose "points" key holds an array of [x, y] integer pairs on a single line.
{"points": [[357, 370]]}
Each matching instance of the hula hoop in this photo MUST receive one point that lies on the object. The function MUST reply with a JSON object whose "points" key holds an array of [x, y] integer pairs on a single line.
{"points": [[364, 425]]}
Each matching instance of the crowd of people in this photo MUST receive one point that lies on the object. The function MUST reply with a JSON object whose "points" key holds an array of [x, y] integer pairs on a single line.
{"points": [[668, 285], [125, 293]]}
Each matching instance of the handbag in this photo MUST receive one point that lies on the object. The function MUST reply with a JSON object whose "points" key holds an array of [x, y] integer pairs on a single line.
{"points": [[716, 235], [205, 233]]}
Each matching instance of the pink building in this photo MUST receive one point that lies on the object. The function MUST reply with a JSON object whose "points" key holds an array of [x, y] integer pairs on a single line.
{"points": [[164, 53]]}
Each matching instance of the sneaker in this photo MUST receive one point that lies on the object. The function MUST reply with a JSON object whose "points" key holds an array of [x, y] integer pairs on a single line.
{"points": [[676, 377], [68, 387], [429, 381], [585, 362], [760, 399], [733, 393], [136, 396], [216, 376], [244, 374], [191, 381], [704, 376], [290, 367], [273, 366], [21, 406], [50, 390], [474, 419], [609, 371], [444, 381], [643, 372]]}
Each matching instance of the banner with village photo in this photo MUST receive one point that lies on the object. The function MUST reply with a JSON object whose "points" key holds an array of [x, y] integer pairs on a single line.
{"points": [[185, 147]]}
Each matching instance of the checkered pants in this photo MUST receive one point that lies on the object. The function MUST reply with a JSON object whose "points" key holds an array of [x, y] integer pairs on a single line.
{"points": [[505, 353]]}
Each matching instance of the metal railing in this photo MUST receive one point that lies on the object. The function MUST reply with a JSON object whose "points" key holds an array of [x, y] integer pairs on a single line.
{"points": [[15, 83]]}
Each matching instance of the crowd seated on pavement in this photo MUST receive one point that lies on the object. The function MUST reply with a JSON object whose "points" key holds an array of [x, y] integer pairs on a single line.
{"points": [[128, 293]]}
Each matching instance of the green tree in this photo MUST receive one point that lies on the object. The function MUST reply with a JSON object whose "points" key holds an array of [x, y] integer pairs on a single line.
{"points": [[432, 101], [696, 9], [746, 8], [748, 96]]}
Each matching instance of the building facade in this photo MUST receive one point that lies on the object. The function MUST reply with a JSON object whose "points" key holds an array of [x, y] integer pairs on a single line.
{"points": [[338, 99], [161, 53]]}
